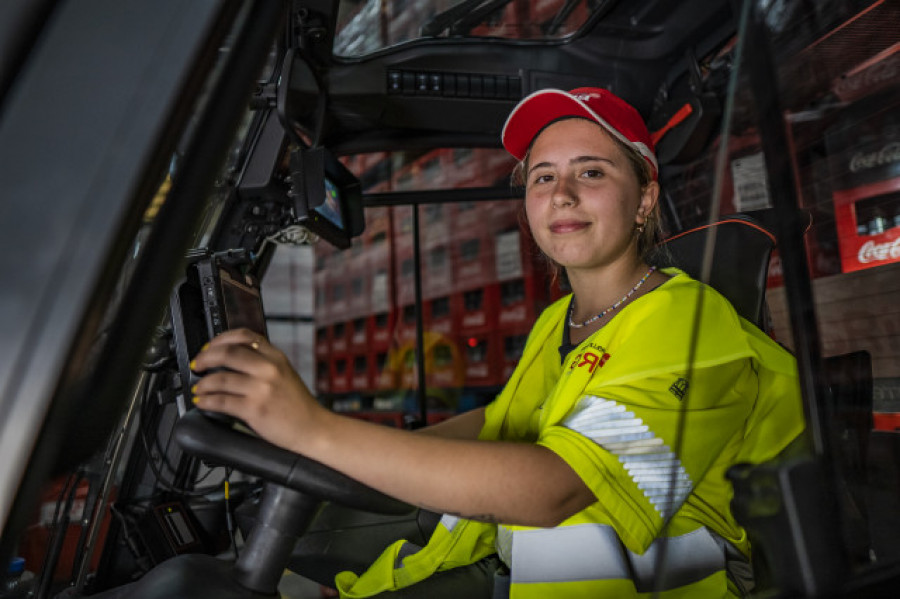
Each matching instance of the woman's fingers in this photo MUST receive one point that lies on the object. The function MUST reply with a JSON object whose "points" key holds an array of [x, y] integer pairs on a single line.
{"points": [[241, 337], [232, 405], [228, 382], [239, 350], [248, 378]]}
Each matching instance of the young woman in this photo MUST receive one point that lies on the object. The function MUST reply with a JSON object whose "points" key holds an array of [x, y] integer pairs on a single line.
{"points": [[569, 475]]}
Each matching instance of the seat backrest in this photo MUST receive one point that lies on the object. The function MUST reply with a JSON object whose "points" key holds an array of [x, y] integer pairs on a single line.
{"points": [[740, 263]]}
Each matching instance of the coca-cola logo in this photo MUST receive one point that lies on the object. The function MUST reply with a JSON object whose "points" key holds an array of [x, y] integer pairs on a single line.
{"points": [[872, 77], [886, 155], [877, 252]]}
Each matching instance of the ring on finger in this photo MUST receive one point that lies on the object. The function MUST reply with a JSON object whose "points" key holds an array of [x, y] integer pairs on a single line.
{"points": [[255, 345]]}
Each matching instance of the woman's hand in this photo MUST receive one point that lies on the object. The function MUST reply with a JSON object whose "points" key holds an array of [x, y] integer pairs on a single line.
{"points": [[259, 387]]}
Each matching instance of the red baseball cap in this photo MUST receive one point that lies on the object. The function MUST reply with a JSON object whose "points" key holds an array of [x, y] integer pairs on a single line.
{"points": [[611, 112]]}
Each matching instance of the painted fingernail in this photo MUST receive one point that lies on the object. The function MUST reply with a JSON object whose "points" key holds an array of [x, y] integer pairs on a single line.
{"points": [[205, 346], [193, 365], [194, 390], [195, 399]]}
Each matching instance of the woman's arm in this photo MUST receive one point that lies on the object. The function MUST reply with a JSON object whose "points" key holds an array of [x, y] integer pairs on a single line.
{"points": [[514, 483], [462, 426]]}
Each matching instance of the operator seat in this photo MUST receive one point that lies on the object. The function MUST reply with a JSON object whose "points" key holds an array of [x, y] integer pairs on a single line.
{"points": [[741, 251]]}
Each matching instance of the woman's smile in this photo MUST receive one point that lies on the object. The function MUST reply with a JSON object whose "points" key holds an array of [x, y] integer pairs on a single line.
{"points": [[568, 225]]}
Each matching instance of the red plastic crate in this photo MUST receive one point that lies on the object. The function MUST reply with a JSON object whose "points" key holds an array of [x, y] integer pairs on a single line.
{"points": [[341, 368], [886, 421], [340, 337], [476, 319], [381, 330], [474, 259]]}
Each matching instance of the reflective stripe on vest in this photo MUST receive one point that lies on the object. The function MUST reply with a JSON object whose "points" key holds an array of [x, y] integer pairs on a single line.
{"points": [[585, 552], [650, 463], [449, 522]]}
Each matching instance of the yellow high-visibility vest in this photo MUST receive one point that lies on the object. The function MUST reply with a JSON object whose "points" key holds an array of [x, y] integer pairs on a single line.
{"points": [[612, 411]]}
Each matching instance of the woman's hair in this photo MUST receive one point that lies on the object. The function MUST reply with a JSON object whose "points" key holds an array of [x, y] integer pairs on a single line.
{"points": [[653, 231]]}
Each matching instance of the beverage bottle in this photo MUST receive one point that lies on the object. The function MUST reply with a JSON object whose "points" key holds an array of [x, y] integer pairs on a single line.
{"points": [[878, 224]]}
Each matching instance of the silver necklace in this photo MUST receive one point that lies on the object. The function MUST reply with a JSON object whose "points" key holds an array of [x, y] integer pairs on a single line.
{"points": [[625, 297]]}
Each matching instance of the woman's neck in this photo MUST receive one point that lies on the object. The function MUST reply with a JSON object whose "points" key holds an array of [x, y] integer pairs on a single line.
{"points": [[596, 291]]}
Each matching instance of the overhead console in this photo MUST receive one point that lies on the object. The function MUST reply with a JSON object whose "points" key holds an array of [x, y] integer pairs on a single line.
{"points": [[458, 85]]}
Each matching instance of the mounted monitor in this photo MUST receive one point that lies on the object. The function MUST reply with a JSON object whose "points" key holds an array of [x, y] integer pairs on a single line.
{"points": [[327, 197], [215, 295]]}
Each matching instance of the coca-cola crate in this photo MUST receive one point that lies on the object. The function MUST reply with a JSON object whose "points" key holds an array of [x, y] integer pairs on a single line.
{"points": [[383, 376], [360, 332], [478, 309], [323, 376], [405, 323], [474, 260], [379, 273], [886, 421], [521, 301], [444, 367], [381, 330], [864, 162], [463, 166], [404, 269], [341, 368], [515, 255], [323, 341], [866, 236], [437, 271], [378, 225], [467, 217], [482, 167], [358, 277], [361, 375], [340, 337], [443, 313], [483, 359], [435, 224], [430, 170], [402, 233]]}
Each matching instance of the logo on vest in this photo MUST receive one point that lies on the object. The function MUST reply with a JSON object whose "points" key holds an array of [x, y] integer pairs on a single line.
{"points": [[679, 388], [595, 356]]}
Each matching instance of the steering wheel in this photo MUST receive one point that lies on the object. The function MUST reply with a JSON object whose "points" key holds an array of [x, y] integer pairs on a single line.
{"points": [[221, 443]]}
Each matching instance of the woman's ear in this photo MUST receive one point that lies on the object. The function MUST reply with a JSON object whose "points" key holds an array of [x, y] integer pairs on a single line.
{"points": [[649, 199]]}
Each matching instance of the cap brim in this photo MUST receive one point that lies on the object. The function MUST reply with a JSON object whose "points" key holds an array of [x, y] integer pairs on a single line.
{"points": [[534, 113]]}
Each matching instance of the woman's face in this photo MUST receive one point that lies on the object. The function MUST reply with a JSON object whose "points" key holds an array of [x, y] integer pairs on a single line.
{"points": [[582, 196]]}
